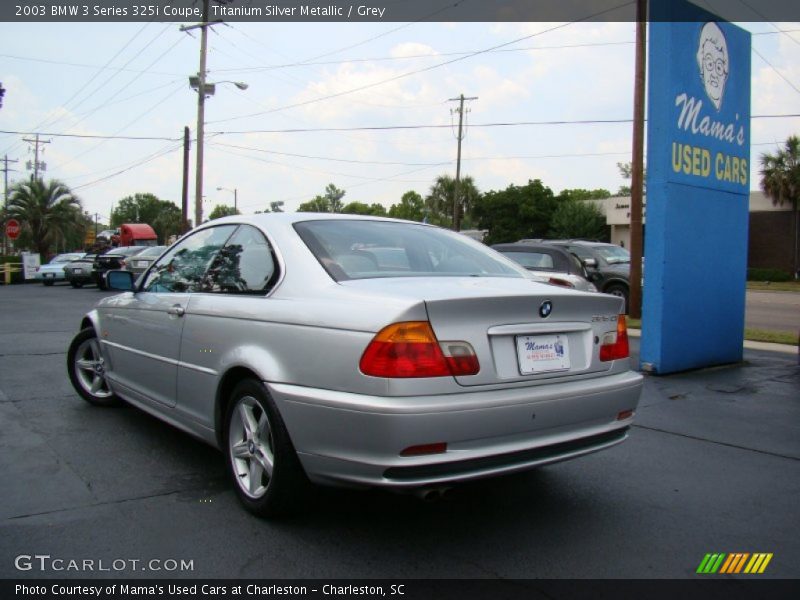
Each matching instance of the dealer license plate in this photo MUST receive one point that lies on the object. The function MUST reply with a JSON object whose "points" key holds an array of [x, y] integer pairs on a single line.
{"points": [[542, 353], [140, 263], [77, 271]]}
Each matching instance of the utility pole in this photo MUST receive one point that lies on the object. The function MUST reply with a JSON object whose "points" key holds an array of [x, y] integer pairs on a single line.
{"points": [[637, 164], [185, 188], [459, 137], [36, 164], [6, 160], [201, 109]]}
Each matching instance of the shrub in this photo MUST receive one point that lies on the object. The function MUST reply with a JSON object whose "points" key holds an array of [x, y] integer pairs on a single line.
{"points": [[768, 275]]}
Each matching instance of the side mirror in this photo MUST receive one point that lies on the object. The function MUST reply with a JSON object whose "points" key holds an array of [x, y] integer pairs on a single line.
{"points": [[590, 262], [120, 280]]}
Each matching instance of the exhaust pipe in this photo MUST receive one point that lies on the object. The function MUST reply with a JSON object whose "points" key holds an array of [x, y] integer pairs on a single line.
{"points": [[434, 494]]}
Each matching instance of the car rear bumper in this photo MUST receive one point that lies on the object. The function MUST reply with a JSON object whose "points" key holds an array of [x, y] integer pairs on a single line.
{"points": [[352, 439]]}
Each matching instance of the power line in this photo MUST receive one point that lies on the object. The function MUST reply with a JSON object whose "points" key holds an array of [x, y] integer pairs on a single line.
{"points": [[80, 135], [498, 124], [138, 164], [49, 117], [85, 65], [366, 128], [330, 158], [771, 66], [455, 53], [416, 72]]}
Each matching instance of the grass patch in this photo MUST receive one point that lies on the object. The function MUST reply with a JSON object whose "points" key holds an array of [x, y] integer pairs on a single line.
{"points": [[754, 335], [774, 286], [774, 337]]}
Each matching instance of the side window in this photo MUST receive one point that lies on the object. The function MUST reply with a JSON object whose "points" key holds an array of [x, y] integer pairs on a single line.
{"points": [[183, 268], [245, 265]]}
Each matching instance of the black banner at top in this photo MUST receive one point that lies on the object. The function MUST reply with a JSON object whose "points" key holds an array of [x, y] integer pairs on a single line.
{"points": [[276, 11]]}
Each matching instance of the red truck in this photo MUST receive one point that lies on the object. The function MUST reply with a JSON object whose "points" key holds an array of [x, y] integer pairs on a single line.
{"points": [[135, 234]]}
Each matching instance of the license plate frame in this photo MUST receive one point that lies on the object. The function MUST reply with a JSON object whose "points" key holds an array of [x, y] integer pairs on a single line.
{"points": [[537, 354]]}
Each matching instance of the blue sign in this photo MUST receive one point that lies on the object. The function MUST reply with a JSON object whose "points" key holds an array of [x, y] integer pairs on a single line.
{"points": [[698, 171]]}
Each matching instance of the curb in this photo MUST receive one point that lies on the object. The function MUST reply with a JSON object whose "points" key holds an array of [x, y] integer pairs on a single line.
{"points": [[765, 346]]}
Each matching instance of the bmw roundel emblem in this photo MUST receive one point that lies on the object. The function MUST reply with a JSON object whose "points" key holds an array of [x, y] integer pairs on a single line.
{"points": [[545, 309]]}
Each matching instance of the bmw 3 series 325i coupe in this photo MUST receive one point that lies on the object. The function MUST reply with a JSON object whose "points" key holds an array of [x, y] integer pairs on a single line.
{"points": [[358, 351]]}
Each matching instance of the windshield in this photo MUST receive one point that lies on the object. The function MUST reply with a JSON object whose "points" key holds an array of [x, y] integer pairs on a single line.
{"points": [[373, 249], [614, 254], [63, 258]]}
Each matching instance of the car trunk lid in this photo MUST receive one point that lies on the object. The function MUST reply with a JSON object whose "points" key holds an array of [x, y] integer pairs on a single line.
{"points": [[521, 331]]}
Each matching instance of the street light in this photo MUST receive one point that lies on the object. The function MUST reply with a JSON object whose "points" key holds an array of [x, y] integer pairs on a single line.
{"points": [[234, 191], [204, 89]]}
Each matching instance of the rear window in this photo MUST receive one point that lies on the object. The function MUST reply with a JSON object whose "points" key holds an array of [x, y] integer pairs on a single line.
{"points": [[371, 249], [531, 260]]}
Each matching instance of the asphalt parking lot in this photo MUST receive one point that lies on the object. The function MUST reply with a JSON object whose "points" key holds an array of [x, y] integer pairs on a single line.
{"points": [[712, 465]]}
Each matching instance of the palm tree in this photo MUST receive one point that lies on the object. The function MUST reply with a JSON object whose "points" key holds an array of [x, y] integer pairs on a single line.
{"points": [[780, 180], [439, 202], [47, 212]]}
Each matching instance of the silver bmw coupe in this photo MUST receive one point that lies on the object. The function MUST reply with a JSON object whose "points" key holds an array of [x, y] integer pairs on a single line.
{"points": [[358, 351]]}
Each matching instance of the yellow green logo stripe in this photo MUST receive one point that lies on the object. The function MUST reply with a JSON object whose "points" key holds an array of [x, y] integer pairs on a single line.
{"points": [[734, 563]]}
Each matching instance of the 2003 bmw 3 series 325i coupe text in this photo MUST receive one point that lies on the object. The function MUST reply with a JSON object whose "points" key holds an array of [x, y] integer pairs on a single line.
{"points": [[358, 351]]}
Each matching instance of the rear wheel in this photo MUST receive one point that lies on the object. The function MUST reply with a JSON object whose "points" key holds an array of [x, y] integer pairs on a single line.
{"points": [[260, 457], [621, 292], [87, 370]]}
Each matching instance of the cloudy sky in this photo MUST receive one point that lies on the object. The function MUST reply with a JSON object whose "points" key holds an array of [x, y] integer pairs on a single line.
{"points": [[131, 80]]}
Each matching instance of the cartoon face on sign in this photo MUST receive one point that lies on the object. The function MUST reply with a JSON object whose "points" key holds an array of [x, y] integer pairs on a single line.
{"points": [[712, 59]]}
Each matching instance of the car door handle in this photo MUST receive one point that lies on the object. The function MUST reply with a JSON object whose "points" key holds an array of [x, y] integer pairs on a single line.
{"points": [[176, 310]]}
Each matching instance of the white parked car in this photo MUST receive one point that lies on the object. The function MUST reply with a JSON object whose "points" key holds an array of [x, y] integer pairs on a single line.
{"points": [[54, 270]]}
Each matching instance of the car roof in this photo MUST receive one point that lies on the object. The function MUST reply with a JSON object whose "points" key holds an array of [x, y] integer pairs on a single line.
{"points": [[296, 217], [528, 247]]}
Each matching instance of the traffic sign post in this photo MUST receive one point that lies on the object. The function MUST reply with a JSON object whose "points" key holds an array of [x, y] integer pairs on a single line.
{"points": [[12, 229]]}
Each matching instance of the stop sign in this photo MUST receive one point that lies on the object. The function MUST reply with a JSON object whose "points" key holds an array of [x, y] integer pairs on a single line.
{"points": [[12, 229]]}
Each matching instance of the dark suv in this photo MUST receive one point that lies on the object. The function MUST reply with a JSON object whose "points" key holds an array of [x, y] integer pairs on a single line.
{"points": [[113, 259], [608, 265]]}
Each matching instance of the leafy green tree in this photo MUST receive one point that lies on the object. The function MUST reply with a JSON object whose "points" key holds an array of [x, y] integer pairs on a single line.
{"points": [[222, 210], [439, 201], [579, 194], [330, 202], [48, 213], [578, 219], [275, 207], [516, 212], [361, 208], [411, 207], [780, 180], [626, 171], [162, 215]]}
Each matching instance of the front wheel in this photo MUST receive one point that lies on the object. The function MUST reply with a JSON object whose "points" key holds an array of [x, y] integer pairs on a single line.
{"points": [[260, 457], [87, 370]]}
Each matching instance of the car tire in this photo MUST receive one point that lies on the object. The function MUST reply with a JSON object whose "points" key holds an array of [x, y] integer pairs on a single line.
{"points": [[86, 369], [620, 291], [48, 282], [76, 284], [260, 457]]}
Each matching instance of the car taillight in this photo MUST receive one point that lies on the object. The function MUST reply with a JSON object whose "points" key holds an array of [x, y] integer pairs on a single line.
{"points": [[561, 282], [410, 349], [615, 343], [122, 264]]}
